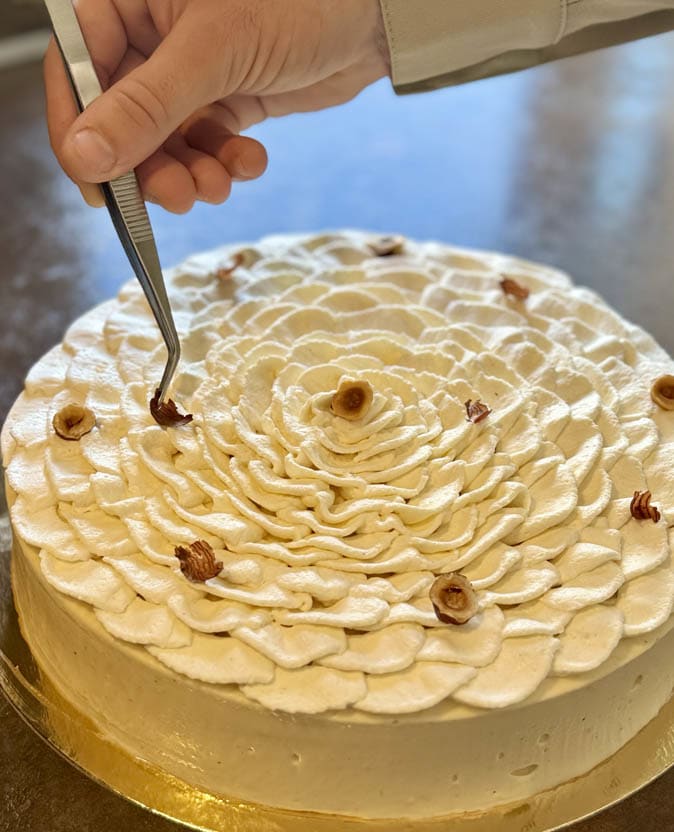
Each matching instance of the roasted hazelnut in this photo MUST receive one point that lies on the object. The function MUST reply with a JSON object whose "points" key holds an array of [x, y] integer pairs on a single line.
{"points": [[514, 289], [387, 246], [166, 413], [454, 599], [73, 421], [244, 257], [197, 561], [476, 411], [228, 270], [641, 508], [662, 392], [352, 399]]}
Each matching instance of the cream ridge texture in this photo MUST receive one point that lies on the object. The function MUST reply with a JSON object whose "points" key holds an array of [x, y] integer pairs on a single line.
{"points": [[331, 531]]}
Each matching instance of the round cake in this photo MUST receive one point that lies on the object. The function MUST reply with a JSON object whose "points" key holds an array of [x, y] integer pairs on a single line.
{"points": [[400, 546]]}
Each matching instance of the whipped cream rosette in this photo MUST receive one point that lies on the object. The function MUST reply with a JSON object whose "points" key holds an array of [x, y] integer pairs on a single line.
{"points": [[331, 530]]}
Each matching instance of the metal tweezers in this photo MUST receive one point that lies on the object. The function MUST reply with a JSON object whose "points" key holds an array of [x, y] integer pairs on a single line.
{"points": [[122, 195]]}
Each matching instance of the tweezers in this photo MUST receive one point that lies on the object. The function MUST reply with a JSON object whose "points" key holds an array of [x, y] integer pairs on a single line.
{"points": [[122, 195]]}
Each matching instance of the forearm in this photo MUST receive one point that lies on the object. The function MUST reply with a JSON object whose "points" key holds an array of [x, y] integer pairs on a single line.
{"points": [[435, 43]]}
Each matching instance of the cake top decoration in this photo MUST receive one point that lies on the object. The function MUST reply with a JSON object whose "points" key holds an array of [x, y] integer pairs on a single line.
{"points": [[388, 245], [514, 289], [73, 421], [166, 413], [641, 508], [197, 561], [476, 411], [352, 399], [226, 271], [454, 599], [662, 392]]}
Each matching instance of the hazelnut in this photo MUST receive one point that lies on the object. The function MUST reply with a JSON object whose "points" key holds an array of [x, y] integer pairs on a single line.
{"points": [[662, 392], [514, 289], [227, 271], [454, 599], [476, 411], [73, 421], [641, 508], [388, 245], [166, 414], [244, 257], [352, 399], [197, 561]]}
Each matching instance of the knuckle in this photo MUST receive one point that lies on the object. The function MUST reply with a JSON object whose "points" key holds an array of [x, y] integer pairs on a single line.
{"points": [[142, 104], [244, 23]]}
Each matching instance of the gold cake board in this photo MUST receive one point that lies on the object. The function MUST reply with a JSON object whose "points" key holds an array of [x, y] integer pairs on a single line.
{"points": [[639, 762]]}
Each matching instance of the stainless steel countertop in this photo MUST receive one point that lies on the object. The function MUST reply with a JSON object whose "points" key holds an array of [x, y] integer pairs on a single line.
{"points": [[571, 164]]}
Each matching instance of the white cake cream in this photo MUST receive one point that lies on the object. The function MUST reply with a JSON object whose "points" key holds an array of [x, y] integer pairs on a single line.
{"points": [[245, 599]]}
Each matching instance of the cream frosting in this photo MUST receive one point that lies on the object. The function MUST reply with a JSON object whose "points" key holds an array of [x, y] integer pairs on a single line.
{"points": [[331, 531]]}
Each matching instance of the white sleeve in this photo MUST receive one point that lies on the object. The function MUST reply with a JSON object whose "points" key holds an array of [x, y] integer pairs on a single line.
{"points": [[434, 43]]}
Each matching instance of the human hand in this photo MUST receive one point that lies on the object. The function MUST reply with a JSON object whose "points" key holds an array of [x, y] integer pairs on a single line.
{"points": [[184, 77]]}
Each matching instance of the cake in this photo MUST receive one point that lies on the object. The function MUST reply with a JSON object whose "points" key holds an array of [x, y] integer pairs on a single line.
{"points": [[411, 555]]}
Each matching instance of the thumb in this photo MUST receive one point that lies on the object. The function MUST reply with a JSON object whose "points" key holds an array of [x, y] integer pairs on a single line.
{"points": [[129, 121]]}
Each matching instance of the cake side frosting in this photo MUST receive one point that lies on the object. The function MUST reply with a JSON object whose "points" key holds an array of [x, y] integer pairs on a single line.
{"points": [[331, 531]]}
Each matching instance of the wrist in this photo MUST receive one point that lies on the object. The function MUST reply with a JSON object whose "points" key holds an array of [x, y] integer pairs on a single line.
{"points": [[380, 38], [360, 23]]}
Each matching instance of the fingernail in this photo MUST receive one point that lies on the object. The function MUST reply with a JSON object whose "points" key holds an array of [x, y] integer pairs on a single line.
{"points": [[209, 200], [96, 151], [151, 198], [240, 171], [92, 195]]}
